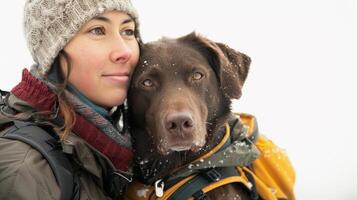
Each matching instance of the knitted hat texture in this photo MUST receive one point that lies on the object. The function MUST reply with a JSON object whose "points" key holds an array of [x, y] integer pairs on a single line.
{"points": [[50, 24]]}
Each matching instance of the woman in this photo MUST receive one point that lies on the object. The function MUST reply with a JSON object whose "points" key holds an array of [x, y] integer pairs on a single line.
{"points": [[85, 52]]}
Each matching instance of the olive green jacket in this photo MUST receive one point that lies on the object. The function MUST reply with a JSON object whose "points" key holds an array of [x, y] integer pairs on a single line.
{"points": [[26, 174]]}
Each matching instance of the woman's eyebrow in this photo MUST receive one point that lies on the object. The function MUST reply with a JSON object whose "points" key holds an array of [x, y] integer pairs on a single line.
{"points": [[126, 21], [101, 18]]}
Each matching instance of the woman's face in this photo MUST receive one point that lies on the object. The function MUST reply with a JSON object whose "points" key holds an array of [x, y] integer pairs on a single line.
{"points": [[103, 55]]}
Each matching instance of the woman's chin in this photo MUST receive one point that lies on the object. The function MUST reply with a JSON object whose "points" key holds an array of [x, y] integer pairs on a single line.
{"points": [[110, 101]]}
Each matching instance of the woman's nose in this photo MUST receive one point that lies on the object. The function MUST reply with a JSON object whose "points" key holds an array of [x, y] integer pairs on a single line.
{"points": [[120, 53]]}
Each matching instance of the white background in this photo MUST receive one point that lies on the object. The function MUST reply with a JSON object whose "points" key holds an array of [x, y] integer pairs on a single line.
{"points": [[302, 83]]}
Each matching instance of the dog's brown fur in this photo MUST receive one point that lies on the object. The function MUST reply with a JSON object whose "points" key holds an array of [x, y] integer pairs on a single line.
{"points": [[179, 97]]}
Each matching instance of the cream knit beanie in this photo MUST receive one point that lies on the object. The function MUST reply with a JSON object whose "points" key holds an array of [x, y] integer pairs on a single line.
{"points": [[50, 24]]}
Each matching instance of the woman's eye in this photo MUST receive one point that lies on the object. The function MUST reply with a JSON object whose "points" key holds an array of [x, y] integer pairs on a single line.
{"points": [[147, 83], [129, 32], [197, 76], [97, 31]]}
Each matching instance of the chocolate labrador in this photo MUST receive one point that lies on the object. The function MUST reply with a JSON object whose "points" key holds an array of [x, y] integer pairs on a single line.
{"points": [[180, 96]]}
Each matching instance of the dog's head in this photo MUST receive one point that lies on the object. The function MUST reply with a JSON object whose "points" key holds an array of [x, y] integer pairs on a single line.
{"points": [[181, 88]]}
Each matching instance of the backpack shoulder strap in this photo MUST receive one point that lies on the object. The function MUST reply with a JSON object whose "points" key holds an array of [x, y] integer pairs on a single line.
{"points": [[46, 142], [2, 95]]}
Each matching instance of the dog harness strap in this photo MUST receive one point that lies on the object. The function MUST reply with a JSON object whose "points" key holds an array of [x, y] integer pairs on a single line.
{"points": [[200, 195], [189, 188], [204, 180], [254, 193]]}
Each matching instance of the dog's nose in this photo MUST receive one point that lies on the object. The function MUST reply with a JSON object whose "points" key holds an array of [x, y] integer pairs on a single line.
{"points": [[180, 123]]}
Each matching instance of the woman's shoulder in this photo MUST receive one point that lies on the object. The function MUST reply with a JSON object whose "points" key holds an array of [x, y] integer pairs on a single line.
{"points": [[24, 172], [14, 152]]}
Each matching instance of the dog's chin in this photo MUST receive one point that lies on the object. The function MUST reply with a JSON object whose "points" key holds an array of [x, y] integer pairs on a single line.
{"points": [[180, 148], [193, 146]]}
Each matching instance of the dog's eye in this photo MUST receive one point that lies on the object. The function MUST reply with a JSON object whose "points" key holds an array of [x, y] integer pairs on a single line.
{"points": [[197, 76], [147, 83]]}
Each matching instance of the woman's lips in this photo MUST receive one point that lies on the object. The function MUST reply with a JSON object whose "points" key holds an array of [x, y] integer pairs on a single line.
{"points": [[120, 79]]}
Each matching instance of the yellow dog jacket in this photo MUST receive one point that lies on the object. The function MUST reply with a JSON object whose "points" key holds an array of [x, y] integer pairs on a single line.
{"points": [[271, 175]]}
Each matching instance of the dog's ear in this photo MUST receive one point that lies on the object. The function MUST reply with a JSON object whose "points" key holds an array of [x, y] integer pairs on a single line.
{"points": [[233, 73], [230, 66]]}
